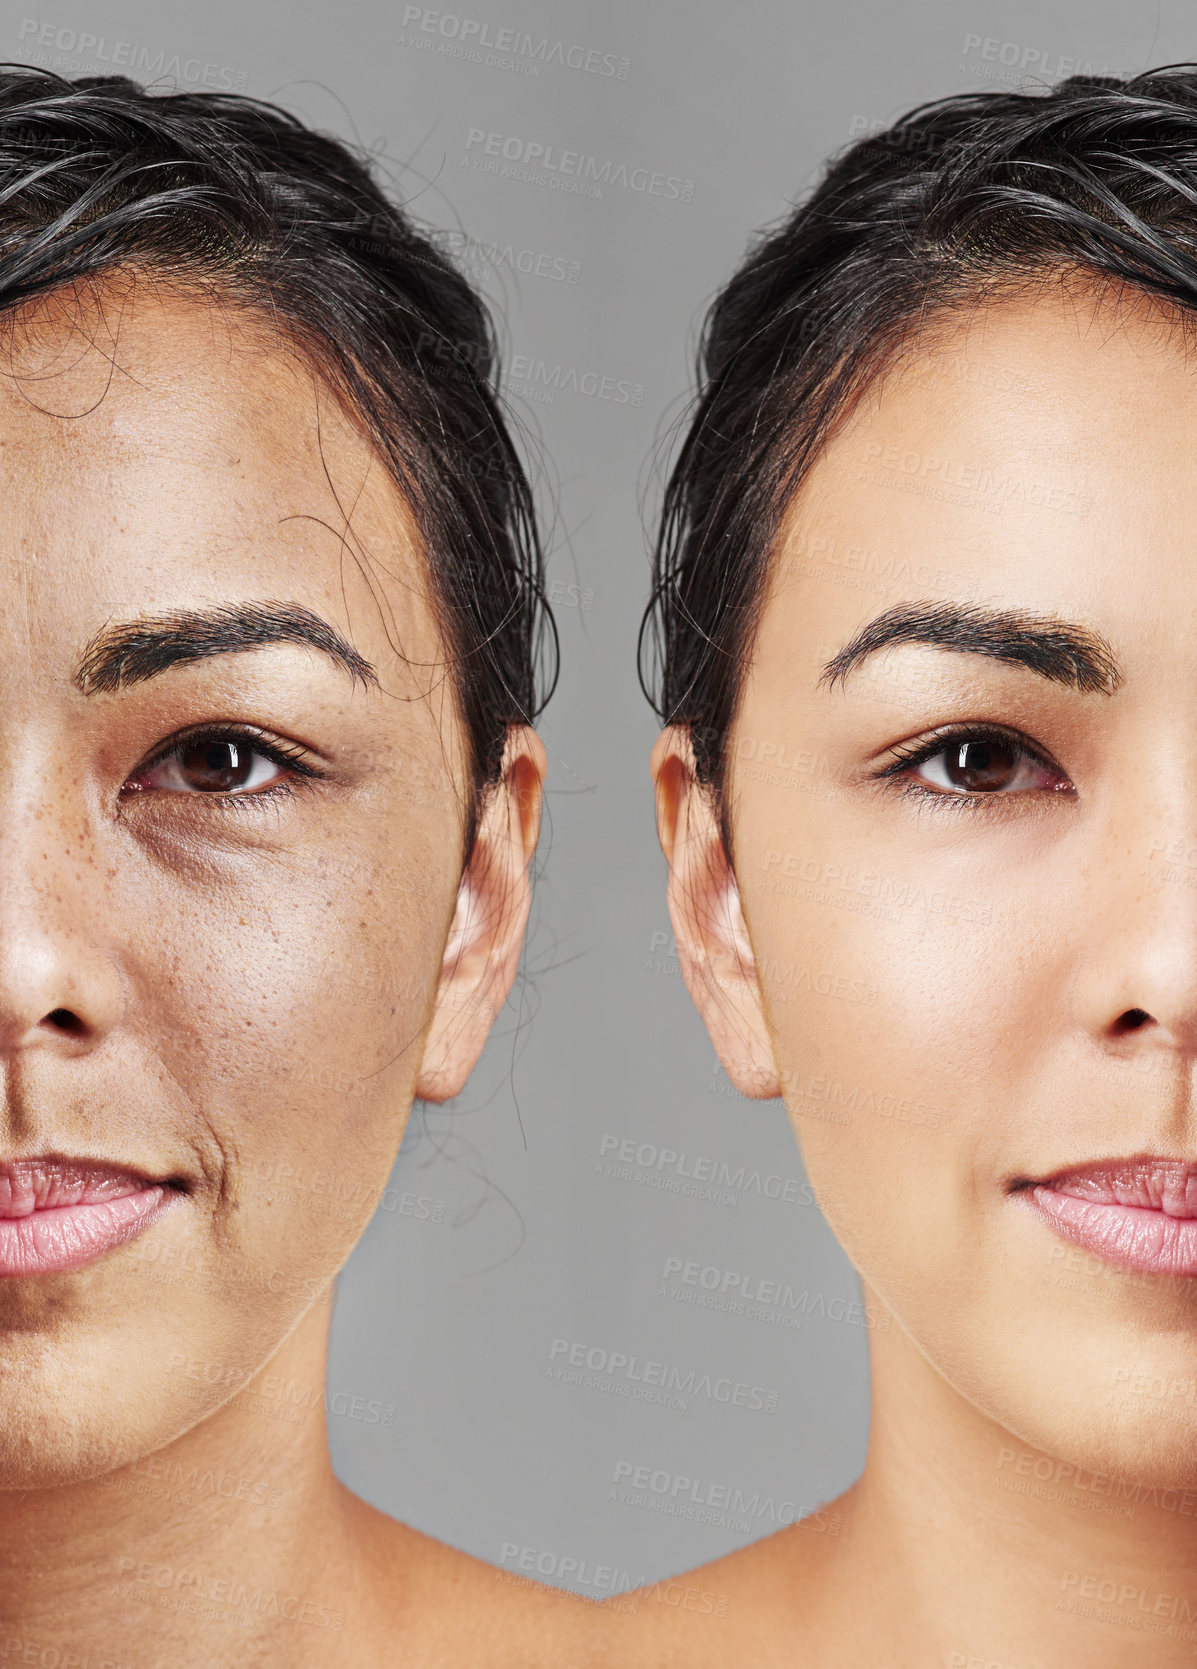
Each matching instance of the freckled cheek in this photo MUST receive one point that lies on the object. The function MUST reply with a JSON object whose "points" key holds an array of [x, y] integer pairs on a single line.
{"points": [[298, 1035]]}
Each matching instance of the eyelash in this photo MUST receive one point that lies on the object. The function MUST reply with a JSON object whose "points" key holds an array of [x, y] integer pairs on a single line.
{"points": [[288, 756], [906, 755]]}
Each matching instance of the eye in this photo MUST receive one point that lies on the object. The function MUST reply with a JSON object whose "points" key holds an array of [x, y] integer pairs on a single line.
{"points": [[221, 764], [971, 763]]}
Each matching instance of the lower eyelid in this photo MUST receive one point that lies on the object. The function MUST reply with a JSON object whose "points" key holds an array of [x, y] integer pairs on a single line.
{"points": [[959, 797], [285, 783], [185, 805], [227, 801], [906, 784]]}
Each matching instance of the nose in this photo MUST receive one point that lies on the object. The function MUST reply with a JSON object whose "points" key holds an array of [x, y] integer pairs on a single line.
{"points": [[60, 987], [1137, 982]]}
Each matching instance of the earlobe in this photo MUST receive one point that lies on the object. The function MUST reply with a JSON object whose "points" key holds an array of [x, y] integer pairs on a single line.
{"points": [[482, 948], [713, 943]]}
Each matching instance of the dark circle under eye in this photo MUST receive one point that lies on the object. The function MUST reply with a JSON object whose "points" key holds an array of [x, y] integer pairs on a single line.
{"points": [[217, 767], [981, 765]]}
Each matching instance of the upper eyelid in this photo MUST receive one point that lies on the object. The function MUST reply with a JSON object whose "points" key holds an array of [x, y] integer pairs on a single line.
{"points": [[929, 746]]}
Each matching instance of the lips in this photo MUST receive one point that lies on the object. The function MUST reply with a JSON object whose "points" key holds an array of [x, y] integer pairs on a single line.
{"points": [[1137, 1213], [58, 1214]]}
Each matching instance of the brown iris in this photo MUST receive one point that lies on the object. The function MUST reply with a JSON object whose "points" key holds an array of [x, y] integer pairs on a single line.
{"points": [[215, 767], [980, 765]]}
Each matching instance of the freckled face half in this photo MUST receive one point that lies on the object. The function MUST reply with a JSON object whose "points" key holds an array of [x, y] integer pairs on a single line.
{"points": [[963, 796], [233, 781]]}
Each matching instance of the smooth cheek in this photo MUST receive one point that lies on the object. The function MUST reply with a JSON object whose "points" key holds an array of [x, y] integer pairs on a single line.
{"points": [[916, 1079], [890, 984]]}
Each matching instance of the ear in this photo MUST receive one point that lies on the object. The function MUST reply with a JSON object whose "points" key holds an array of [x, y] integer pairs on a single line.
{"points": [[713, 945], [487, 932]]}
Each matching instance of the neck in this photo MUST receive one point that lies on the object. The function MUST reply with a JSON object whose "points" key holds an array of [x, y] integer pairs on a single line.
{"points": [[966, 1545], [235, 1535]]}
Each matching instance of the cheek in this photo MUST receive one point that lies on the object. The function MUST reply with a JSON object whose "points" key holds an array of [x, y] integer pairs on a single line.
{"points": [[904, 1007], [292, 1023], [297, 1016], [295, 1022]]}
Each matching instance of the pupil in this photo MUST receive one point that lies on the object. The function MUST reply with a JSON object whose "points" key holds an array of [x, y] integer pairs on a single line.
{"points": [[216, 766], [982, 765]]}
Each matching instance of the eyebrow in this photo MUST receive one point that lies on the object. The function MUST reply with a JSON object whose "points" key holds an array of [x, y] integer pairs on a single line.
{"points": [[131, 651], [1060, 650]]}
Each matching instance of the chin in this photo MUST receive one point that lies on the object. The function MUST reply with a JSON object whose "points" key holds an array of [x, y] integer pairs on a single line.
{"points": [[48, 1446], [61, 1425], [1110, 1455]]}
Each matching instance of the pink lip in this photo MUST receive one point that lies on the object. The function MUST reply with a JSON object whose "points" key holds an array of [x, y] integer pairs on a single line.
{"points": [[1138, 1213], [58, 1214]]}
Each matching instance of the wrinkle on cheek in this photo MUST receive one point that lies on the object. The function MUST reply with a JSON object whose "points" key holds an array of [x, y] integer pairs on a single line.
{"points": [[290, 1013], [226, 1226]]}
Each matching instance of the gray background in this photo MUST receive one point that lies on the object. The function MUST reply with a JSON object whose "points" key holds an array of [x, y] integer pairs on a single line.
{"points": [[512, 1223]]}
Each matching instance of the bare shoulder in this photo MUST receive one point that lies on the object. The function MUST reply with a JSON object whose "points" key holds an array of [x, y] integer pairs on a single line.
{"points": [[745, 1607], [449, 1608]]}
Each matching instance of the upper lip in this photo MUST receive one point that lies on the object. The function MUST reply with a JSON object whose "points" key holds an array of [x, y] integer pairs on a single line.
{"points": [[1147, 1181], [46, 1180]]}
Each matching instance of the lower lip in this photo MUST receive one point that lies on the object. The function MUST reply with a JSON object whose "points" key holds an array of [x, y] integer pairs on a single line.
{"points": [[1128, 1236], [69, 1236]]}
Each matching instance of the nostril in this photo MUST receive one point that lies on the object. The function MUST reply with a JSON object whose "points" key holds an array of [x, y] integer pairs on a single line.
{"points": [[1133, 1019], [64, 1021]]}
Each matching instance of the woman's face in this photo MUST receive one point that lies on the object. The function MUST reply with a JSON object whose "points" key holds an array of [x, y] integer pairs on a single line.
{"points": [[961, 994], [228, 865]]}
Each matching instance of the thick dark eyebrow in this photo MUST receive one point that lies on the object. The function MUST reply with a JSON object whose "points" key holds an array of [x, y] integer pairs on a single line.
{"points": [[1060, 650], [131, 651]]}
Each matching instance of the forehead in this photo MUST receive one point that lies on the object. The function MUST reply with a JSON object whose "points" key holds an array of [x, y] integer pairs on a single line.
{"points": [[1037, 450], [165, 449]]}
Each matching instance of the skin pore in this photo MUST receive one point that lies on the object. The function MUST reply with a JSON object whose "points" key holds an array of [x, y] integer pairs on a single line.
{"points": [[198, 985], [1006, 979]]}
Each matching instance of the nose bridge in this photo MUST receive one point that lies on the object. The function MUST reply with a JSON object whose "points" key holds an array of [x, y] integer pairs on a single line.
{"points": [[56, 978]]}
